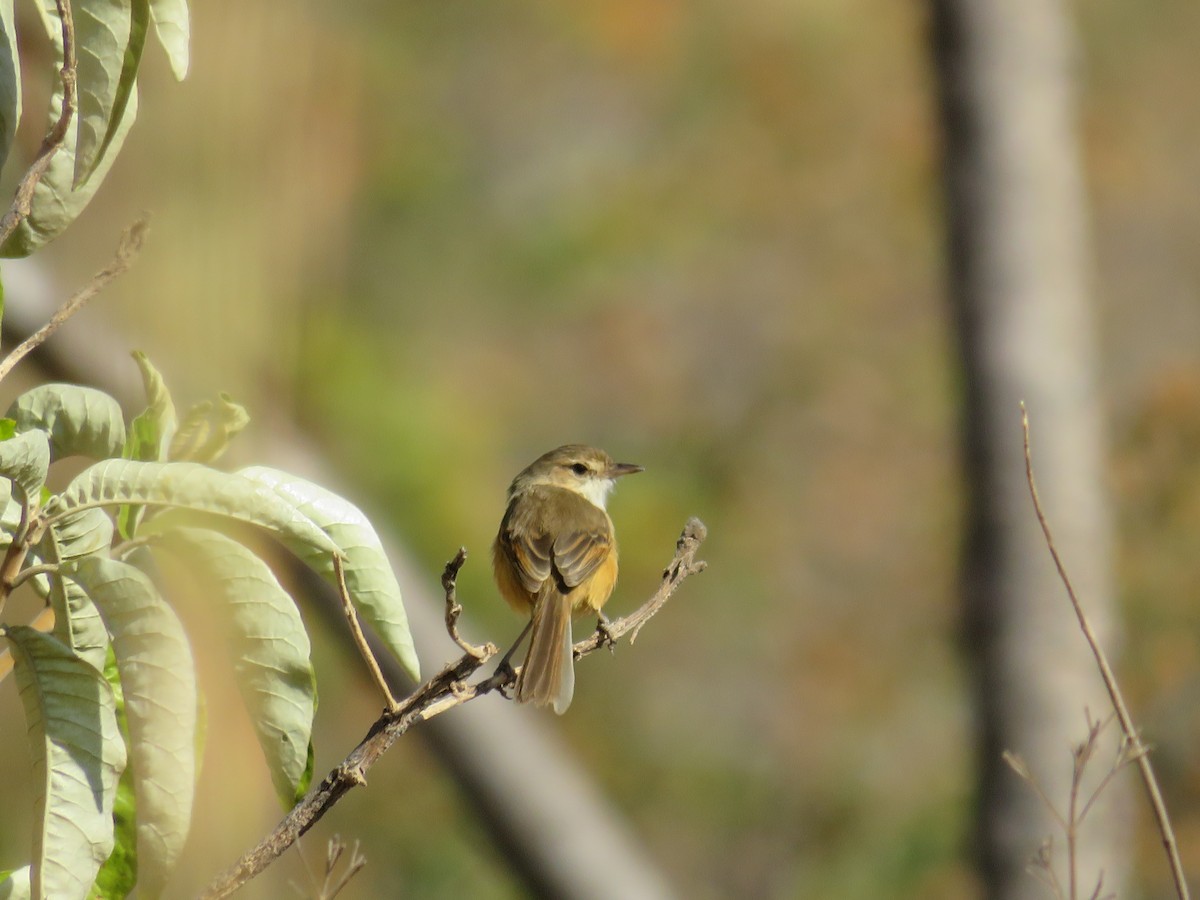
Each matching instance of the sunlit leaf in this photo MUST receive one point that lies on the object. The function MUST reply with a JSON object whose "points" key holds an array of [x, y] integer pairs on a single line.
{"points": [[15, 885], [78, 756], [81, 421], [10, 80], [151, 430], [25, 462], [369, 575], [270, 650], [97, 23], [77, 623], [118, 876], [172, 28], [159, 686], [206, 430], [57, 202], [149, 433], [189, 486]]}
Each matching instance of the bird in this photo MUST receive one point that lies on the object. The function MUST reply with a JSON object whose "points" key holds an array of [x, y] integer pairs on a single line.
{"points": [[555, 555]]}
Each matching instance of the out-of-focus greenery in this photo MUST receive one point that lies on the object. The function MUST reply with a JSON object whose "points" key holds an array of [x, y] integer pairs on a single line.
{"points": [[706, 237]]}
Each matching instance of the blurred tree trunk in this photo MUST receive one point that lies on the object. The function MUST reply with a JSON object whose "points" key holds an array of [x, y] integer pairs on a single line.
{"points": [[1018, 267]]}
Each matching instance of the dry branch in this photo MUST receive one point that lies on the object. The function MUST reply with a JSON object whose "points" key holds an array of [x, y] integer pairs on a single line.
{"points": [[1136, 749], [444, 691], [22, 200], [127, 252]]}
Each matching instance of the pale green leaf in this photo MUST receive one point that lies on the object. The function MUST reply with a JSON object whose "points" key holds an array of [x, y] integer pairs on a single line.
{"points": [[16, 885], [207, 429], [270, 650], [77, 623], [107, 74], [172, 28], [78, 756], [369, 576], [81, 421], [151, 430], [118, 876], [159, 686], [10, 79], [189, 486], [149, 434], [25, 461], [56, 201]]}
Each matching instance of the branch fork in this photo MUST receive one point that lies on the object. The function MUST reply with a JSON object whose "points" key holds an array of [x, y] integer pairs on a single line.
{"points": [[449, 688]]}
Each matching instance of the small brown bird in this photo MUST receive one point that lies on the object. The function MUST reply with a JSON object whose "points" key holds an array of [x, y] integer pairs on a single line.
{"points": [[556, 555]]}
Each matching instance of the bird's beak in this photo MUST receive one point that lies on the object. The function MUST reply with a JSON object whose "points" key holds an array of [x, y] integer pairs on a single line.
{"points": [[619, 469]]}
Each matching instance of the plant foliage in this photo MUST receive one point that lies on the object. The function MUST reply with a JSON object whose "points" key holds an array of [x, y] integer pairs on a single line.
{"points": [[113, 678]]}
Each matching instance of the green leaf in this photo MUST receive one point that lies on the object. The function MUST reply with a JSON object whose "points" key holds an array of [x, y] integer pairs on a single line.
{"points": [[81, 421], [369, 575], [159, 685], [189, 486], [149, 433], [151, 430], [270, 649], [10, 82], [10, 514], [15, 885], [172, 28], [57, 202], [77, 623], [110, 36], [77, 755], [118, 876], [207, 430], [25, 461]]}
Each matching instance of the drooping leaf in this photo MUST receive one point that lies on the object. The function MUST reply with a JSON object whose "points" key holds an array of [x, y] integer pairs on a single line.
{"points": [[149, 434], [57, 202], [81, 421], [10, 80], [151, 430], [189, 486], [25, 462], [369, 576], [78, 756], [15, 885], [207, 429], [118, 876], [270, 650], [172, 28], [110, 36], [77, 623], [159, 686]]}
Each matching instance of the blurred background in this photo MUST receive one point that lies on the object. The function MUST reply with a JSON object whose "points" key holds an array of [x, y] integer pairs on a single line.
{"points": [[708, 238]]}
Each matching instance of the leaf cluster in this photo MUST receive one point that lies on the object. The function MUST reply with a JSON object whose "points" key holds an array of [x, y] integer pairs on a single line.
{"points": [[106, 673], [98, 47]]}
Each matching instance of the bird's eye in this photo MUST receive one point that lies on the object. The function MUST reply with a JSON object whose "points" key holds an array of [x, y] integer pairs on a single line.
{"points": [[579, 469]]}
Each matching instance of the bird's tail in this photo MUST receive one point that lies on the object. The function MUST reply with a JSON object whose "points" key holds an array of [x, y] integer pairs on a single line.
{"points": [[548, 676]]}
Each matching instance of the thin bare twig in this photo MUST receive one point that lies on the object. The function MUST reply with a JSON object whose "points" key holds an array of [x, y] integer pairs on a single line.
{"points": [[127, 252], [683, 565], [360, 642], [333, 883], [1137, 748], [444, 691], [1041, 865], [454, 609], [18, 211]]}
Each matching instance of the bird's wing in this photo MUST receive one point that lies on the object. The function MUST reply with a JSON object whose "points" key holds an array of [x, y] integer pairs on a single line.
{"points": [[578, 553], [532, 554]]}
